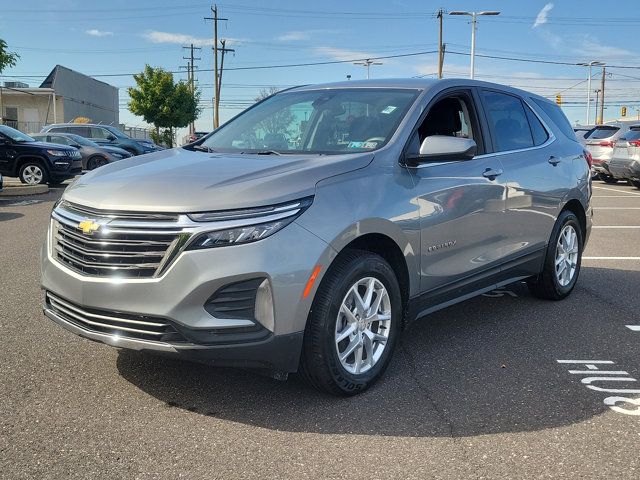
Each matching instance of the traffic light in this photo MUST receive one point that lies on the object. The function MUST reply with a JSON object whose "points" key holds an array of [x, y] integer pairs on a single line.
{"points": [[559, 99], [623, 111]]}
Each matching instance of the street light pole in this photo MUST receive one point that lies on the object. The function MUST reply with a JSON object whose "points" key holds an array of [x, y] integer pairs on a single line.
{"points": [[367, 63], [474, 26], [590, 64]]}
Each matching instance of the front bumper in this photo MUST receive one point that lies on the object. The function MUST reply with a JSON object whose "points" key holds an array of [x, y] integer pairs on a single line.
{"points": [[286, 259], [276, 352]]}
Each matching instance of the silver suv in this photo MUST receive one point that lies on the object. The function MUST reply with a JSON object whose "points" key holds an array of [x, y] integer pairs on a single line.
{"points": [[308, 231]]}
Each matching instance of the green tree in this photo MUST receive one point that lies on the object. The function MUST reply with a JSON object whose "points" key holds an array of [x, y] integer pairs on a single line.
{"points": [[7, 59], [163, 102]]}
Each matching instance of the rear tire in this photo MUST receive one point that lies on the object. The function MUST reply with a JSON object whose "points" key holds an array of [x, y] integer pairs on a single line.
{"points": [[32, 172], [348, 345], [635, 183], [562, 260]]}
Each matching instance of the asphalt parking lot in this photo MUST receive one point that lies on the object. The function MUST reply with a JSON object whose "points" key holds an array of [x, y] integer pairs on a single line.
{"points": [[501, 386]]}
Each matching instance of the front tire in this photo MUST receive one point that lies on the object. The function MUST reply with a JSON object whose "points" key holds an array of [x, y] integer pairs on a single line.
{"points": [[608, 179], [32, 172], [353, 324], [562, 260], [96, 161]]}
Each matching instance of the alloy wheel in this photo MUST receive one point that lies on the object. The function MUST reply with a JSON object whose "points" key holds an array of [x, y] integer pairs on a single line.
{"points": [[363, 325], [567, 251], [32, 174]]}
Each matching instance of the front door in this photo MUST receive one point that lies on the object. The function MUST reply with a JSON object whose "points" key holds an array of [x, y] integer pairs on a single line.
{"points": [[461, 203]]}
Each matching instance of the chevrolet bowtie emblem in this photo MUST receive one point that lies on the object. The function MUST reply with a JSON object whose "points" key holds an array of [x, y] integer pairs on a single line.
{"points": [[88, 226]]}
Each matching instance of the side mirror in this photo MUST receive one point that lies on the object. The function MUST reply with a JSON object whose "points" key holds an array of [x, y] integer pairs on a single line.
{"points": [[442, 148]]}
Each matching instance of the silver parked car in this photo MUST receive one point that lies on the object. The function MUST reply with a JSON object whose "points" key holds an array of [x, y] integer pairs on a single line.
{"points": [[308, 231], [625, 164], [93, 155], [600, 144]]}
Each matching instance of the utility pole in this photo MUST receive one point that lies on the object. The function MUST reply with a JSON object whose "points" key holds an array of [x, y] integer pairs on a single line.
{"points": [[597, 92], [223, 50], [191, 76], [440, 47], [602, 96], [215, 18]]}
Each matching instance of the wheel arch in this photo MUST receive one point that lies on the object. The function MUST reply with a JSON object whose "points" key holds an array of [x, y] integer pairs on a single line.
{"points": [[24, 158], [576, 207]]}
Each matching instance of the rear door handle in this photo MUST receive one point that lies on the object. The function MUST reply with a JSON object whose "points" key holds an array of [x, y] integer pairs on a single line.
{"points": [[491, 174], [554, 161]]}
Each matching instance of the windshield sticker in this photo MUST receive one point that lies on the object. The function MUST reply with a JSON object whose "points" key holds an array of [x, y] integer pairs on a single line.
{"points": [[355, 145], [369, 144], [389, 110]]}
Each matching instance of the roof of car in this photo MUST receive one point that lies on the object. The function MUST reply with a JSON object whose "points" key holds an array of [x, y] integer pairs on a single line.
{"points": [[416, 83]]}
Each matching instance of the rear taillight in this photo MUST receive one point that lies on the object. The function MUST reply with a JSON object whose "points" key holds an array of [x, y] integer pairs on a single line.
{"points": [[588, 158], [634, 143], [606, 143]]}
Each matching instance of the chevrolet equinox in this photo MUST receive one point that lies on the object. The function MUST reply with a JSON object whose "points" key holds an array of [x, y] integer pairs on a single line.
{"points": [[308, 231]]}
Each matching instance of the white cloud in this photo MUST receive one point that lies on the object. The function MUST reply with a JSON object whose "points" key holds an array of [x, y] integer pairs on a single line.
{"points": [[541, 19], [341, 54], [585, 46], [94, 32], [155, 36], [294, 36]]}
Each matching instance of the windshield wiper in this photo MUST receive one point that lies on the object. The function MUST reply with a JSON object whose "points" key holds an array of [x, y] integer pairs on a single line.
{"points": [[263, 152], [202, 148]]}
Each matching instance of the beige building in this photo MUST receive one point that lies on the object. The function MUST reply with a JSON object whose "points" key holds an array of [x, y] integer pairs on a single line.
{"points": [[64, 95]]}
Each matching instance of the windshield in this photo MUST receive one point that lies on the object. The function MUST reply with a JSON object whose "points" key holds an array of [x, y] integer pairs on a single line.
{"points": [[115, 131], [15, 135], [81, 140], [320, 121]]}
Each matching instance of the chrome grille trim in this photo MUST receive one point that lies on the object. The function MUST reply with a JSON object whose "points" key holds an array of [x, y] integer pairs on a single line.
{"points": [[88, 211], [133, 326], [129, 246]]}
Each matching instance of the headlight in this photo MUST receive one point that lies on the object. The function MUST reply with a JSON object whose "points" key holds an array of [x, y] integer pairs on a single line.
{"points": [[57, 153], [249, 225]]}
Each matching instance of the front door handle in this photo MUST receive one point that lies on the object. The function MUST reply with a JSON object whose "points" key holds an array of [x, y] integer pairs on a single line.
{"points": [[554, 161], [491, 174]]}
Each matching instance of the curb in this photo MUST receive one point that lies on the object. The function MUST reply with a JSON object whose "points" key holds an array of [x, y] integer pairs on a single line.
{"points": [[22, 190]]}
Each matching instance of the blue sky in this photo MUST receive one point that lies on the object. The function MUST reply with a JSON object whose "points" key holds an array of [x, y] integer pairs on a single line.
{"points": [[119, 37]]}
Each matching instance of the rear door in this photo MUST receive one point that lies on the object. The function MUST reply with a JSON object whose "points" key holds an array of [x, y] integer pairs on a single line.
{"points": [[538, 172]]}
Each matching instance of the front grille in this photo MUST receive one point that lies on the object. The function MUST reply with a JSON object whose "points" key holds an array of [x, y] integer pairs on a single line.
{"points": [[114, 323], [125, 245]]}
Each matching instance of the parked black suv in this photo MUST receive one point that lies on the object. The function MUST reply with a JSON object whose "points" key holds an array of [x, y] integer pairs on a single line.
{"points": [[36, 162], [104, 135]]}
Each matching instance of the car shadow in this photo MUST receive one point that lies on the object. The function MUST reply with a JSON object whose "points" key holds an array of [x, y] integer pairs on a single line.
{"points": [[488, 365], [6, 216]]}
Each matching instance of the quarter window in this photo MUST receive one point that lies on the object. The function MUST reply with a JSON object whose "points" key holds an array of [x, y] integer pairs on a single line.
{"points": [[100, 133], [508, 120], [538, 131]]}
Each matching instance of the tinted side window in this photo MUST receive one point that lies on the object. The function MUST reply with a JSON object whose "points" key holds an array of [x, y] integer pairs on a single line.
{"points": [[538, 131], [508, 120], [82, 131], [58, 130], [557, 116], [59, 139], [100, 133]]}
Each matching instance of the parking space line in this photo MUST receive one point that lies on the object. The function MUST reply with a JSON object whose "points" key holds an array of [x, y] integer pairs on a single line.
{"points": [[616, 226], [616, 208], [634, 328], [618, 191], [611, 258]]}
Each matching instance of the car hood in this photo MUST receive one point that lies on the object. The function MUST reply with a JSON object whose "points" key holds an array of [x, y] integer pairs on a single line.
{"points": [[108, 149], [53, 146], [180, 180]]}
